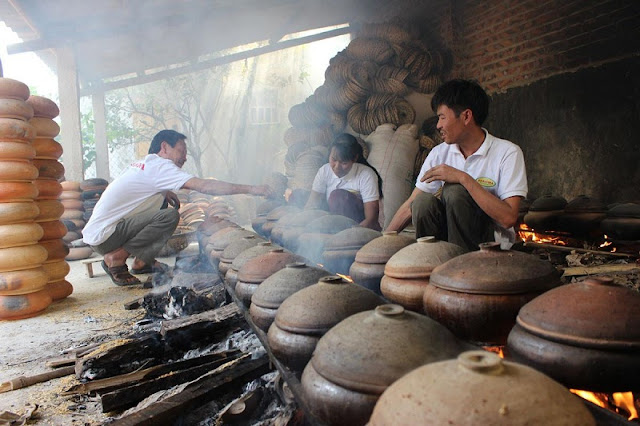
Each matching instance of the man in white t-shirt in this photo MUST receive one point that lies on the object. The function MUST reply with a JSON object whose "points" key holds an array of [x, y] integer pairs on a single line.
{"points": [[128, 218], [482, 178]]}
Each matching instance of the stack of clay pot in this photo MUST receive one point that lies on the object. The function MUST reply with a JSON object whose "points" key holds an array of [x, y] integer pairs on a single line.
{"points": [[263, 247], [23, 280], [71, 199], [316, 233], [340, 250], [91, 189], [49, 190]]}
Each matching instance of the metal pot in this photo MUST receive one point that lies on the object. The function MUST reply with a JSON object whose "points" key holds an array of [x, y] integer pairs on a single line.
{"points": [[340, 250], [585, 335], [479, 388], [478, 295], [362, 355]]}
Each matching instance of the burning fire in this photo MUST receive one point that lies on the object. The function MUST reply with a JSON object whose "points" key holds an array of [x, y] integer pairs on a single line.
{"points": [[527, 234], [607, 243], [345, 277], [495, 349], [619, 401]]}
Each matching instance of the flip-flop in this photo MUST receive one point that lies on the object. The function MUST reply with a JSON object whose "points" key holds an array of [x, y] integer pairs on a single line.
{"points": [[146, 269], [120, 275]]}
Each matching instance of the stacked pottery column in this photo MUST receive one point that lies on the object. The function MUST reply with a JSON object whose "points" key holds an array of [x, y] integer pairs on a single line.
{"points": [[23, 280], [49, 189]]}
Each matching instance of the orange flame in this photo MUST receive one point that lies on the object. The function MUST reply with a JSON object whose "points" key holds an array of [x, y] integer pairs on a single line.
{"points": [[495, 349], [625, 400], [621, 401], [527, 234], [345, 277]]}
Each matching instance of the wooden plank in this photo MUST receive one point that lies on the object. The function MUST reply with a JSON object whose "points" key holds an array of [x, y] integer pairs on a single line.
{"points": [[599, 269], [577, 250]]}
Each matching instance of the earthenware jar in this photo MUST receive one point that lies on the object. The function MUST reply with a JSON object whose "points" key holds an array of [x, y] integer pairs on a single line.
{"points": [[282, 224], [340, 250], [219, 244], [477, 295], [274, 215], [258, 222], [407, 273], [368, 268], [479, 388], [234, 249], [309, 313], [622, 222], [356, 360], [523, 209], [586, 335], [208, 241], [274, 290], [582, 216], [315, 235], [263, 247], [295, 226], [258, 269], [544, 213]]}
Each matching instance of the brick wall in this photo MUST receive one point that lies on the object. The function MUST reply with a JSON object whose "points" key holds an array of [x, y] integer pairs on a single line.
{"points": [[511, 43]]}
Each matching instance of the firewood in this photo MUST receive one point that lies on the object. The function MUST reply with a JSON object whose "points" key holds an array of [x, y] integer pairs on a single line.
{"points": [[62, 361], [599, 269], [24, 381], [578, 250]]}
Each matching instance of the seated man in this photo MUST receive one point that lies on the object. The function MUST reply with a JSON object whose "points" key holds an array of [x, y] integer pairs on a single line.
{"points": [[128, 218], [482, 178]]}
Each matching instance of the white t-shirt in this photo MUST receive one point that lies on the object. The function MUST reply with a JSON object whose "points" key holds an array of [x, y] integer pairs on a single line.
{"points": [[143, 179], [361, 180], [498, 166]]}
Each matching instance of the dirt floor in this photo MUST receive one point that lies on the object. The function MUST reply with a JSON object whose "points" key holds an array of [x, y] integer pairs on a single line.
{"points": [[92, 314]]}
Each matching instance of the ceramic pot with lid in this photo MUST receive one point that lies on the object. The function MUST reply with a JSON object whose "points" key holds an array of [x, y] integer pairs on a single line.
{"points": [[274, 290], [258, 269], [586, 335], [309, 313], [281, 224], [523, 209], [479, 388], [544, 213], [234, 249], [263, 247], [623, 222], [208, 241], [274, 215], [368, 268], [341, 249], [582, 216], [406, 274], [360, 357], [478, 295], [219, 244], [295, 225], [258, 222]]}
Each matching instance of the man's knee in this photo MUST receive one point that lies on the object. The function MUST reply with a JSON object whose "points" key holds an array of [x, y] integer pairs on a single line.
{"points": [[422, 204], [455, 193], [170, 216]]}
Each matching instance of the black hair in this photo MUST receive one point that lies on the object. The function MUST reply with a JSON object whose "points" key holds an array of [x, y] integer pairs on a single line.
{"points": [[460, 95], [348, 149], [169, 136]]}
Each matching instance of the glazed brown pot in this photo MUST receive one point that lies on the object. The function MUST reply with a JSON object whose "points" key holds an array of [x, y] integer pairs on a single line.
{"points": [[407, 273], [479, 388], [623, 222], [340, 250], [274, 290], [356, 360], [368, 268], [478, 295], [585, 335], [309, 313], [258, 269], [263, 247], [544, 213], [234, 249], [582, 216]]}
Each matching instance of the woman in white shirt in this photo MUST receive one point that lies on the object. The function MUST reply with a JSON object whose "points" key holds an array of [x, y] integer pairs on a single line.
{"points": [[348, 185]]}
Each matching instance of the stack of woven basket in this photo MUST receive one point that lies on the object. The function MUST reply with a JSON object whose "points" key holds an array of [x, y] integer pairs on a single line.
{"points": [[71, 198], [49, 190], [92, 189], [23, 280]]}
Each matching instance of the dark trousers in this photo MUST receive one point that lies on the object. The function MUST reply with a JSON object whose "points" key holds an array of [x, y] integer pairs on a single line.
{"points": [[455, 217], [142, 235], [347, 204]]}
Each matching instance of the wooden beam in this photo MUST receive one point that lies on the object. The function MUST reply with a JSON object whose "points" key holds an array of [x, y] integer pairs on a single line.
{"points": [[600, 269], [100, 136]]}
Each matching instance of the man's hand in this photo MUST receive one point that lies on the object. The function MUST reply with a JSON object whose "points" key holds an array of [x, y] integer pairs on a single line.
{"points": [[173, 200], [444, 173], [264, 190]]}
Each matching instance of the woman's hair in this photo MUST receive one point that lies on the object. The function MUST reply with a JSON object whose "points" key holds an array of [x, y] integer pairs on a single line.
{"points": [[348, 149]]}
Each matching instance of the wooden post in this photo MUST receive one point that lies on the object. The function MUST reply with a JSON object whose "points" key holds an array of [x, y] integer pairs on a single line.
{"points": [[71, 134], [102, 145]]}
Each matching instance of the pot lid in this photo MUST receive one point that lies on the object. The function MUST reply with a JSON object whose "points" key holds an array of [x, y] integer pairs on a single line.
{"points": [[301, 219], [368, 351], [219, 244], [218, 234], [262, 247], [278, 212], [582, 203], [624, 210], [317, 308], [261, 267], [329, 224], [419, 259], [238, 246], [591, 313], [380, 250], [548, 203], [351, 239], [525, 203], [210, 226], [479, 388], [492, 270], [268, 206], [295, 276]]}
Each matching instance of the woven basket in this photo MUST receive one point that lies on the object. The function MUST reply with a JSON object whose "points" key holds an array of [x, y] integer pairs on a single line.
{"points": [[179, 241]]}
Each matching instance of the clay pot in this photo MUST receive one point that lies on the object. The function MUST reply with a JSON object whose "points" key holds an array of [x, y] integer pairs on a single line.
{"points": [[45, 127], [623, 222], [53, 229], [293, 226], [582, 216], [586, 335], [20, 234], [308, 314], [56, 271], [274, 290], [47, 189], [23, 281], [15, 191], [263, 247], [22, 257], [274, 215], [72, 204], [234, 249], [13, 89], [58, 290], [71, 195], [16, 150], [544, 213], [285, 222], [24, 305], [17, 170], [258, 269], [407, 273], [57, 250], [15, 108], [479, 388], [478, 295], [68, 185], [94, 184], [78, 253], [43, 107], [267, 206], [220, 240], [311, 246], [12, 129], [258, 222], [18, 212], [49, 210], [213, 224], [49, 169], [360, 357], [368, 268], [340, 250]]}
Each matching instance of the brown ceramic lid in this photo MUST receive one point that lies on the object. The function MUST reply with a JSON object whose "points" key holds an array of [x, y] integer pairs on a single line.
{"points": [[317, 308], [329, 224], [419, 259], [479, 388], [351, 239], [260, 268], [380, 250], [278, 212], [295, 276], [261, 248], [624, 210], [548, 203], [220, 233], [492, 270], [268, 206], [238, 246], [584, 204], [591, 313], [221, 243], [370, 350]]}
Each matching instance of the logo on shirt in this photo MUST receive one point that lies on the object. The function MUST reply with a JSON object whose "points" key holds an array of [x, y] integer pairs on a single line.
{"points": [[138, 166], [486, 182]]}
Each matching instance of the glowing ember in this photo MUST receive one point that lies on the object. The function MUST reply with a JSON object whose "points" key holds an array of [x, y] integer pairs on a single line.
{"points": [[625, 400], [495, 349], [345, 277], [620, 402], [527, 234], [590, 396]]}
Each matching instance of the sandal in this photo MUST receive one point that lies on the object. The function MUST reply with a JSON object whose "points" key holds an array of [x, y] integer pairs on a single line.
{"points": [[146, 269], [120, 275]]}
